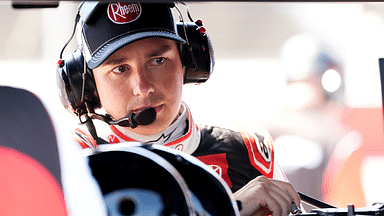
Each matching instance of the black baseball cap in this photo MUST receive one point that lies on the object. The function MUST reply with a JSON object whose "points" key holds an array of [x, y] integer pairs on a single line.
{"points": [[107, 27]]}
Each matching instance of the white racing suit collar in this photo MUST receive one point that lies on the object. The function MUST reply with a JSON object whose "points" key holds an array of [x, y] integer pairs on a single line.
{"points": [[182, 135]]}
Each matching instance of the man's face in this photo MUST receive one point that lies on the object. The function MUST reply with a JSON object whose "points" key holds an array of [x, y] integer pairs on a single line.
{"points": [[146, 73]]}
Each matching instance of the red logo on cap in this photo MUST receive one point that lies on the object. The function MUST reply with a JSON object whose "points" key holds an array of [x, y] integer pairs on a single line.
{"points": [[123, 12]]}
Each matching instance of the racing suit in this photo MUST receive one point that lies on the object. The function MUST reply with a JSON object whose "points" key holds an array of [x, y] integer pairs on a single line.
{"points": [[238, 157]]}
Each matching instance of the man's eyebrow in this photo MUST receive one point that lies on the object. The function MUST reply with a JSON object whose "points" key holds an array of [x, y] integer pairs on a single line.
{"points": [[118, 60], [161, 50], [114, 61]]}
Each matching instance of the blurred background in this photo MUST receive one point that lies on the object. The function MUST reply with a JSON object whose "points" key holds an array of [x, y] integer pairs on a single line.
{"points": [[307, 72]]}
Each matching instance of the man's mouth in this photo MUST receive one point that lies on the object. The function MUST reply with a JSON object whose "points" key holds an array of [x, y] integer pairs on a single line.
{"points": [[157, 108]]}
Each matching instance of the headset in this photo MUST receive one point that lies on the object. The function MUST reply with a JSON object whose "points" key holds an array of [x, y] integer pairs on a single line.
{"points": [[77, 88]]}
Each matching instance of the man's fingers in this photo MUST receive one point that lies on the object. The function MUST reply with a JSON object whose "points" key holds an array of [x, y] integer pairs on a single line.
{"points": [[268, 205], [282, 192], [288, 188], [263, 194], [275, 207], [282, 199], [256, 198], [278, 190]]}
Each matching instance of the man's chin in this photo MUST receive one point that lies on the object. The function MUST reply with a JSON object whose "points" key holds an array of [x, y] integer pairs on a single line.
{"points": [[153, 128]]}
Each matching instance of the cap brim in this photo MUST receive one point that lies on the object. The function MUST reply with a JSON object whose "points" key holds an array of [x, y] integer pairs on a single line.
{"points": [[110, 47]]}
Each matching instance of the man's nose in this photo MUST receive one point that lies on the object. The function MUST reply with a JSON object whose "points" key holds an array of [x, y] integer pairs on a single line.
{"points": [[142, 83]]}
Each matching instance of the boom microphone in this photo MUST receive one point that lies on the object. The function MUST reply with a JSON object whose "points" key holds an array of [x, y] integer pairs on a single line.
{"points": [[144, 117]]}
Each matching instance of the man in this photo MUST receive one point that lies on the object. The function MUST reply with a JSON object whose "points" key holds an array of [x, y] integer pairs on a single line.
{"points": [[138, 61]]}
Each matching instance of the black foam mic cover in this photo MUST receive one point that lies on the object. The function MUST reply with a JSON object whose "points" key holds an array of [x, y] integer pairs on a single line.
{"points": [[144, 117]]}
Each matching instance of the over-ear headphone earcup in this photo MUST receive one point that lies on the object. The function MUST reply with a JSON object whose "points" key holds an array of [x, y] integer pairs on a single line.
{"points": [[70, 83], [197, 57]]}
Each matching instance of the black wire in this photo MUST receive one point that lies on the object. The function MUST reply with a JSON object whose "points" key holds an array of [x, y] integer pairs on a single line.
{"points": [[188, 14], [73, 34]]}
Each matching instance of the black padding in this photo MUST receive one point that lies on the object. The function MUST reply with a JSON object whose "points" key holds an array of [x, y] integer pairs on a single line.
{"points": [[197, 56], [202, 183], [70, 82], [117, 170], [26, 127]]}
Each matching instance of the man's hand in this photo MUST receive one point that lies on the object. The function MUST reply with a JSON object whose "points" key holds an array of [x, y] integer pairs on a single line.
{"points": [[263, 196]]}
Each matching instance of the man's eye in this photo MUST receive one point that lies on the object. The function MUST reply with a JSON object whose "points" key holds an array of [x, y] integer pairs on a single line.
{"points": [[119, 69], [159, 61]]}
